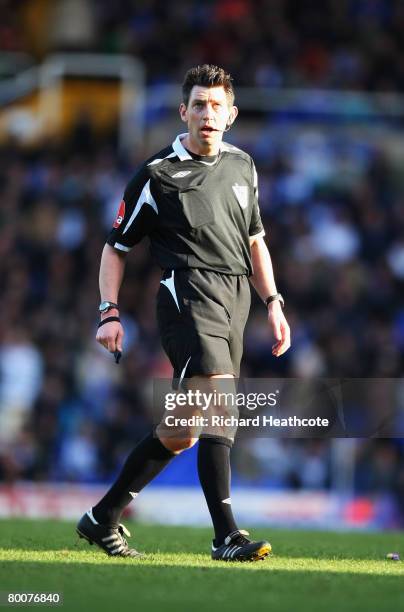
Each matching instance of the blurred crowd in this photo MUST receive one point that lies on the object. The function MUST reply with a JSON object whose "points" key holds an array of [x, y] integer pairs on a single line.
{"points": [[332, 203], [344, 44]]}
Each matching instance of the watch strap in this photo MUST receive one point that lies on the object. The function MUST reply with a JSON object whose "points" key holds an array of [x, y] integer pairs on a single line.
{"points": [[273, 298]]}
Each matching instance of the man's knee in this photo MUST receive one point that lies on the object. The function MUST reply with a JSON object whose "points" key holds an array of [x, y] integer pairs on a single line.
{"points": [[177, 445]]}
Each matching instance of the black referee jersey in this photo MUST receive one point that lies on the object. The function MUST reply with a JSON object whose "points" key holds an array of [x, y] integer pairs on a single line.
{"points": [[199, 212]]}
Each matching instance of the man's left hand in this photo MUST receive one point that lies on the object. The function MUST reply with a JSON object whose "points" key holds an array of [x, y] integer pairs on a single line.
{"points": [[280, 328]]}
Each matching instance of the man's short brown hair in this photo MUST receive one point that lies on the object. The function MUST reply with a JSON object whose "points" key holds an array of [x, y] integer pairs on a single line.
{"points": [[207, 75]]}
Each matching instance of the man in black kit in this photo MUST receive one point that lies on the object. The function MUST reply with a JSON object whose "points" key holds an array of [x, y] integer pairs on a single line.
{"points": [[197, 200]]}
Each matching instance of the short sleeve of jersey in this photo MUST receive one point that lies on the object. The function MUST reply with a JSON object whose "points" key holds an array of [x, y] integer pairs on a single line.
{"points": [[256, 227], [137, 213]]}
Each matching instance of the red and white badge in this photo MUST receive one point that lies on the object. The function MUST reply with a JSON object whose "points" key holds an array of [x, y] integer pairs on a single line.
{"points": [[120, 216]]}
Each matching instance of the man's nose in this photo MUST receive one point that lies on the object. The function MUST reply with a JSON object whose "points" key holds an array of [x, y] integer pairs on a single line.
{"points": [[208, 111]]}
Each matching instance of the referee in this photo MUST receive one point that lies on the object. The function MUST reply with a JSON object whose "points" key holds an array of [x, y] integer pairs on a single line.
{"points": [[197, 200]]}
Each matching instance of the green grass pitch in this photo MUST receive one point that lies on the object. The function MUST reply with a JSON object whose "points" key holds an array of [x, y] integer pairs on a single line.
{"points": [[309, 570]]}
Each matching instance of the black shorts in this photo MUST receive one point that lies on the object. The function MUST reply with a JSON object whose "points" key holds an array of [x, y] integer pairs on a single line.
{"points": [[201, 317]]}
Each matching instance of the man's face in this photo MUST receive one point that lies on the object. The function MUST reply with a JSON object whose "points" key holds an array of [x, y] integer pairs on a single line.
{"points": [[206, 115]]}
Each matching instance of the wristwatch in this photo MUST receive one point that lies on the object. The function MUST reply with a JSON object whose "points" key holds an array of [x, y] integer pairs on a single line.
{"points": [[272, 298], [105, 306]]}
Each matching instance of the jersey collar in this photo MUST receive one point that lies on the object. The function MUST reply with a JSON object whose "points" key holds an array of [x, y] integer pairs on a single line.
{"points": [[181, 151]]}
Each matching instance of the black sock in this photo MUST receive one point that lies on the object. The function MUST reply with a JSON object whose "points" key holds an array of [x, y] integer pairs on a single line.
{"points": [[214, 476], [146, 460]]}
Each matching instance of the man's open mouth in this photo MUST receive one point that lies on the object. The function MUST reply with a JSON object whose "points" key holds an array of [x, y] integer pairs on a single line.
{"points": [[208, 130]]}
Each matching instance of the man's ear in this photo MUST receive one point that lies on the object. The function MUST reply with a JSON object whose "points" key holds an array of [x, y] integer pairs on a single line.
{"points": [[233, 115], [183, 112]]}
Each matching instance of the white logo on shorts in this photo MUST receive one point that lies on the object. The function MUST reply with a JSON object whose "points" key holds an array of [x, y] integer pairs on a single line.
{"points": [[181, 174], [241, 193]]}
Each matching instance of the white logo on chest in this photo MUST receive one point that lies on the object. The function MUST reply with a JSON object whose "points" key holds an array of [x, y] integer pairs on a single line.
{"points": [[241, 193], [181, 174]]}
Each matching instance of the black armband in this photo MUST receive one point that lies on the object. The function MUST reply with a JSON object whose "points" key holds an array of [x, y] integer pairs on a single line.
{"points": [[108, 320]]}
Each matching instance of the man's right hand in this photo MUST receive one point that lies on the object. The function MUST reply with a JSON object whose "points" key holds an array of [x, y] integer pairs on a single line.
{"points": [[110, 335]]}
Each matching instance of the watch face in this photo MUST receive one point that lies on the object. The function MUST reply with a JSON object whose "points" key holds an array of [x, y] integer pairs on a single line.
{"points": [[103, 306]]}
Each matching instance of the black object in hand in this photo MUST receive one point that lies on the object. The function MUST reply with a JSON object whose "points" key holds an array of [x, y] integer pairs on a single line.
{"points": [[117, 355]]}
